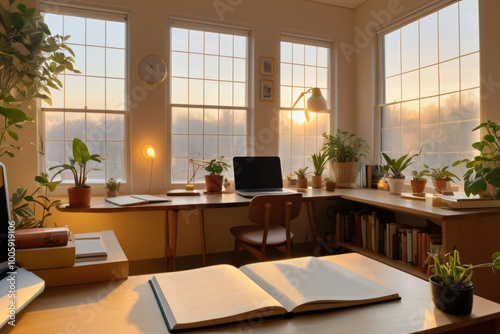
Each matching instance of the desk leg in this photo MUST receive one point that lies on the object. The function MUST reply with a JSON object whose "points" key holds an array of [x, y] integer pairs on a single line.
{"points": [[175, 216], [202, 236], [168, 250], [311, 212]]}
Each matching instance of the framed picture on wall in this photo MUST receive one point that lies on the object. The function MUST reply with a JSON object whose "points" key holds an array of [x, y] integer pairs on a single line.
{"points": [[266, 66], [266, 90]]}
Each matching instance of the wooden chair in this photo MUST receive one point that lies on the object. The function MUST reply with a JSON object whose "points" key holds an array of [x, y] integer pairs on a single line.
{"points": [[272, 214]]}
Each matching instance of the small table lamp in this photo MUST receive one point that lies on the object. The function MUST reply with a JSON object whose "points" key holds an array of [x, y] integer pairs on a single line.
{"points": [[316, 103]]}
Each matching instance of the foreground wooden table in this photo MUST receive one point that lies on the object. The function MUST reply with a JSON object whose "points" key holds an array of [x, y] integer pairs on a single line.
{"points": [[129, 306]]}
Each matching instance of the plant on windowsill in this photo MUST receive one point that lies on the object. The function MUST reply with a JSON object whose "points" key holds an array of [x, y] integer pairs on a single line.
{"points": [[291, 180], [344, 151], [483, 174], [112, 187], [319, 161], [396, 179], [301, 177], [214, 180], [441, 178], [382, 173], [330, 185], [79, 196], [418, 181], [451, 287], [30, 61]]}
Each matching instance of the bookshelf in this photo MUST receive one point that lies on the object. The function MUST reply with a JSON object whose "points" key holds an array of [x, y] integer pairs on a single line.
{"points": [[473, 231]]}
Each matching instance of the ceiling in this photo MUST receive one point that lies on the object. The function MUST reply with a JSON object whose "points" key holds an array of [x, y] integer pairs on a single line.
{"points": [[351, 4]]}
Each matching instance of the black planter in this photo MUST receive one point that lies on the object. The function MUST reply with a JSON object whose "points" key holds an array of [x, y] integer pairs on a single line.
{"points": [[452, 300]]}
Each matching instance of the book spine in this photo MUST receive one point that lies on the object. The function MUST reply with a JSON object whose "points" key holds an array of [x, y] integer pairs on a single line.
{"points": [[44, 239]]}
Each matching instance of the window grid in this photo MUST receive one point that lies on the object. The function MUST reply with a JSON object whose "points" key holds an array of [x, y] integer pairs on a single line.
{"points": [[196, 138], [112, 148], [298, 138], [442, 156]]}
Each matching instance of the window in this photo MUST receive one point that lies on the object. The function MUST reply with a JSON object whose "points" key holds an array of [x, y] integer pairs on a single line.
{"points": [[431, 86], [304, 64], [209, 95], [91, 105]]}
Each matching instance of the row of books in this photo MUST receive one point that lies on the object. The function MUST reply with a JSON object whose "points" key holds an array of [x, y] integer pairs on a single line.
{"points": [[374, 231]]}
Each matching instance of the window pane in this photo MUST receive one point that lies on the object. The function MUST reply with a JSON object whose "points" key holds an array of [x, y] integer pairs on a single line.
{"points": [[410, 85], [195, 66], [298, 53], [392, 48], [469, 26], [180, 91], [211, 43], [226, 45], [450, 107], [470, 104], [409, 47], [448, 33], [95, 29], [54, 125], [429, 84], [428, 40], [469, 71], [310, 55], [115, 63], [74, 86], [115, 127], [393, 89], [449, 76], [115, 34], [115, 94], [74, 125], [240, 46], [180, 120], [74, 27], [115, 160], [96, 126], [96, 61], [225, 121], [179, 39], [211, 67]]}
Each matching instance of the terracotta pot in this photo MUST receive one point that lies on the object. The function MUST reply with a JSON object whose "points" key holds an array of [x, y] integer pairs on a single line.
{"points": [[330, 185], [452, 300], [214, 183], [301, 182], [111, 193], [316, 181], [346, 174], [79, 197], [395, 186], [418, 187], [441, 185]]}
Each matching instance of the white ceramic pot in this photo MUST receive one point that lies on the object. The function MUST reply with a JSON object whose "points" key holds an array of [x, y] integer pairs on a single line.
{"points": [[395, 186]]}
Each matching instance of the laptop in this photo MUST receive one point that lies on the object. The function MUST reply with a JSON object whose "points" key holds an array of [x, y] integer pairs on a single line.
{"points": [[258, 176]]}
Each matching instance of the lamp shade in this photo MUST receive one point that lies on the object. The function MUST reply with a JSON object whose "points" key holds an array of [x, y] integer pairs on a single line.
{"points": [[148, 152], [316, 102]]}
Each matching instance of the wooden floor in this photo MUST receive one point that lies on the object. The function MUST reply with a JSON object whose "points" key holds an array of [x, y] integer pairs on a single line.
{"points": [[151, 266]]}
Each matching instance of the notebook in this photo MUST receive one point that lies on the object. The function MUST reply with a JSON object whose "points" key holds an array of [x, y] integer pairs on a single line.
{"points": [[258, 176]]}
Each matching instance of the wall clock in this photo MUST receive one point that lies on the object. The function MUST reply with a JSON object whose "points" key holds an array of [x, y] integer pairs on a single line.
{"points": [[152, 69]]}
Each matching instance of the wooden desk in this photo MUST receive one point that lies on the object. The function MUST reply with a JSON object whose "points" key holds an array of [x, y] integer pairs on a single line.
{"points": [[129, 306], [473, 232]]}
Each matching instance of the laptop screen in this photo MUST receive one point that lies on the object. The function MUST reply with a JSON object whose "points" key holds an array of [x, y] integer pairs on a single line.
{"points": [[257, 173]]}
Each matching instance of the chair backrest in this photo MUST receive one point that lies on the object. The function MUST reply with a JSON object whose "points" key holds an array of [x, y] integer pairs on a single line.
{"points": [[256, 209]]}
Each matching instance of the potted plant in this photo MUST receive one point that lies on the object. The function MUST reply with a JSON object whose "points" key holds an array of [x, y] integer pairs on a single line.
{"points": [[291, 180], [483, 174], [214, 180], [382, 173], [319, 161], [441, 178], [418, 181], [344, 151], [30, 60], [451, 288], [79, 196], [396, 179], [112, 187], [301, 177], [330, 185]]}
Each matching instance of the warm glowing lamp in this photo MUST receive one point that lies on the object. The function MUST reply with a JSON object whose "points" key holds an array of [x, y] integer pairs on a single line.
{"points": [[148, 152], [316, 103]]}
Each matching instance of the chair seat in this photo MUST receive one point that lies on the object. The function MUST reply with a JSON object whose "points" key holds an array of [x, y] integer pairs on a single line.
{"points": [[252, 234]]}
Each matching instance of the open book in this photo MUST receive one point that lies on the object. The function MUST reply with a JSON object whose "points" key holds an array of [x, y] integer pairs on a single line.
{"points": [[224, 294], [136, 199]]}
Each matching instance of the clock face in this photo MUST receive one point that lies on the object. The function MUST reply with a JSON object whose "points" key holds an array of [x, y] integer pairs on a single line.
{"points": [[153, 69]]}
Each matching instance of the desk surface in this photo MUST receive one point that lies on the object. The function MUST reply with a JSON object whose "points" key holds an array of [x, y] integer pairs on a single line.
{"points": [[372, 197], [129, 306]]}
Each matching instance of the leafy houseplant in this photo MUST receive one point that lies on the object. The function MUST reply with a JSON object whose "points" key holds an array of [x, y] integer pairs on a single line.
{"points": [[291, 180], [330, 185], [112, 187], [396, 167], [214, 180], [23, 214], [451, 286], [418, 181], [301, 177], [483, 174], [80, 194], [319, 161], [30, 60], [441, 177], [344, 151]]}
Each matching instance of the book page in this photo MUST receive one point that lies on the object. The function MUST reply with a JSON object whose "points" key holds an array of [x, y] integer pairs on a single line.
{"points": [[125, 200], [212, 295], [309, 280], [151, 198]]}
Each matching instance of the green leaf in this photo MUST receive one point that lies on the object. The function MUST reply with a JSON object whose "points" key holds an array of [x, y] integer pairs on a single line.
{"points": [[13, 134], [489, 138], [80, 151]]}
